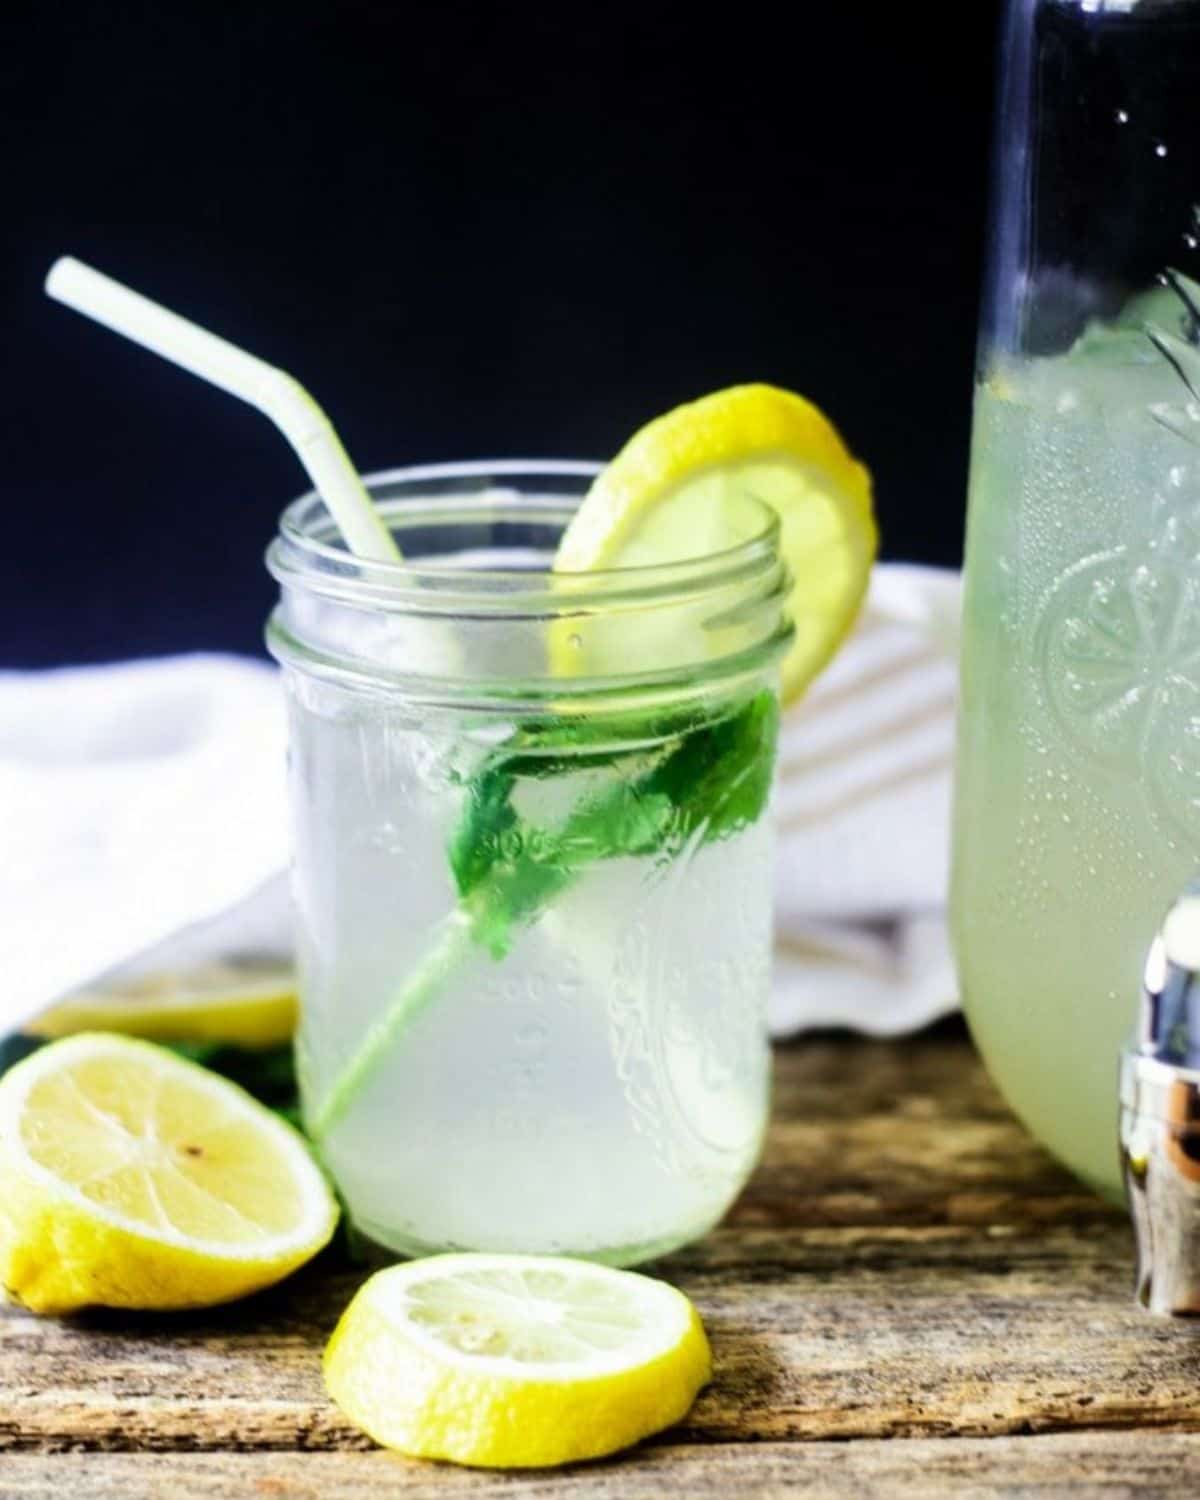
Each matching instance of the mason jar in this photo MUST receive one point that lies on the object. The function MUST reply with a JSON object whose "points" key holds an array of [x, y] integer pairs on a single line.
{"points": [[532, 866]]}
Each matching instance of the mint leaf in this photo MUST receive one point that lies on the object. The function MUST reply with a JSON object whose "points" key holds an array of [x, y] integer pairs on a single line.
{"points": [[621, 820], [714, 775], [485, 828]]}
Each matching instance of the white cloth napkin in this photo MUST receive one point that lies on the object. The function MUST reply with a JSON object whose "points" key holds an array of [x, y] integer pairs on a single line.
{"points": [[143, 819], [863, 813]]}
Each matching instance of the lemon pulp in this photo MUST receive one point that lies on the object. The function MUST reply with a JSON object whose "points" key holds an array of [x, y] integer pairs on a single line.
{"points": [[131, 1178]]}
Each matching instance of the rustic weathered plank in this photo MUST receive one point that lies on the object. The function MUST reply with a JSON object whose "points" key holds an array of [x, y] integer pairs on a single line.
{"points": [[906, 1263], [836, 1333], [1088, 1466]]}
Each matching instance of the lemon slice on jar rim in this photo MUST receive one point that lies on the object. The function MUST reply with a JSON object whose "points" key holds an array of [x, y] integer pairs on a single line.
{"points": [[670, 494]]}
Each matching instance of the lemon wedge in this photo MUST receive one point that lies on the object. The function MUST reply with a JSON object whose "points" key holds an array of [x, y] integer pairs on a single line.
{"points": [[515, 1361], [246, 1004], [131, 1178], [670, 494]]}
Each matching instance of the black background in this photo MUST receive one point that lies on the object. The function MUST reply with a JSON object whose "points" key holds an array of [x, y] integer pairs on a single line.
{"points": [[470, 230]]}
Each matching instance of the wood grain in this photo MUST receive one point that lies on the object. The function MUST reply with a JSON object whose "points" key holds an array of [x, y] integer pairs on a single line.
{"points": [[1087, 1466], [906, 1264]]}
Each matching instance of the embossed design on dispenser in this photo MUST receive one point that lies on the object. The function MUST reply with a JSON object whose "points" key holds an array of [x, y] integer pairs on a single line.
{"points": [[1117, 643]]}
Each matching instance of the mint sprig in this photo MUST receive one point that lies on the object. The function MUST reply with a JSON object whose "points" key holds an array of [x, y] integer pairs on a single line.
{"points": [[665, 782]]}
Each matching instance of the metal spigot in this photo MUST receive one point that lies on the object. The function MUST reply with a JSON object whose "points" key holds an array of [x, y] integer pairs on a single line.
{"points": [[1160, 1116]]}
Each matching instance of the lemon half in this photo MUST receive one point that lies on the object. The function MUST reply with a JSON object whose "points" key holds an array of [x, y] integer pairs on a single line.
{"points": [[669, 496], [241, 1004], [131, 1178], [515, 1361]]}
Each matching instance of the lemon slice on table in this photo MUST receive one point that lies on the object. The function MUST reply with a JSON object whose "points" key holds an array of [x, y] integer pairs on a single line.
{"points": [[515, 1361], [244, 1004], [131, 1178], [669, 496]]}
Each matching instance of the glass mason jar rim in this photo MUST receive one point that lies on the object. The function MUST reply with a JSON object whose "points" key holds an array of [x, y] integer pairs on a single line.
{"points": [[478, 614], [308, 552]]}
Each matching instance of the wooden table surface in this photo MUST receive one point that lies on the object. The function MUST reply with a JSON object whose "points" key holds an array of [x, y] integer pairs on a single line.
{"points": [[910, 1299]]}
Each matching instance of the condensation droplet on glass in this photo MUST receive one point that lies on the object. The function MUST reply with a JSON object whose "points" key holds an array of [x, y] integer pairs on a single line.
{"points": [[574, 640]]}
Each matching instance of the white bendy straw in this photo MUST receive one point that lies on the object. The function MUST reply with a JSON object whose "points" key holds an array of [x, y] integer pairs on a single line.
{"points": [[273, 391]]}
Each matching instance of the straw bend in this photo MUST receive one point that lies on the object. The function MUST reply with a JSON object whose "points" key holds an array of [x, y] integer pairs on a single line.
{"points": [[271, 390]]}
